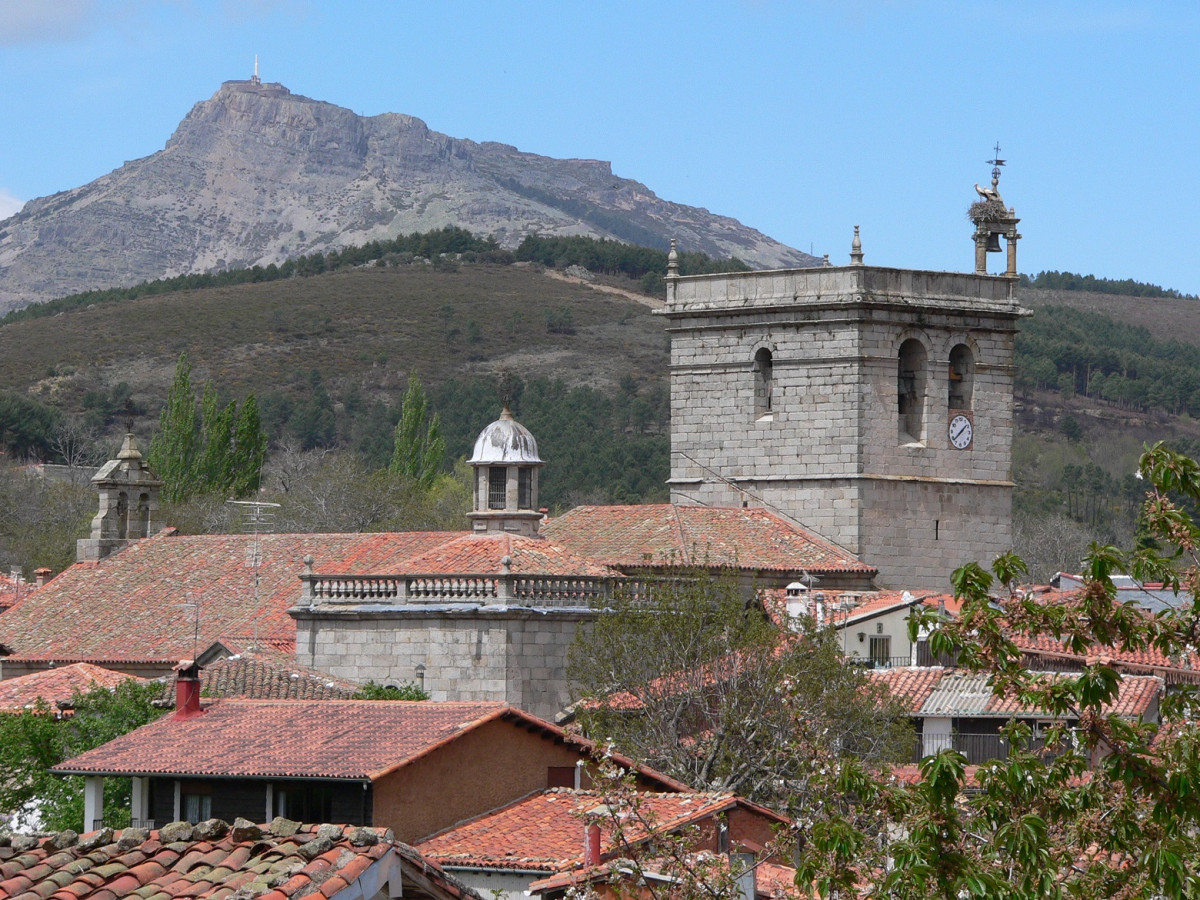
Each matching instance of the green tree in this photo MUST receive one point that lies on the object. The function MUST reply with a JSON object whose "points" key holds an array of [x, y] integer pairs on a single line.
{"points": [[691, 681], [249, 452], [1110, 809], [215, 463], [35, 739], [220, 451], [406, 691], [419, 448], [176, 445]]}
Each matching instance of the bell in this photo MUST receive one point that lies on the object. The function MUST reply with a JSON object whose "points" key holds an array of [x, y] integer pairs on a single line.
{"points": [[993, 244]]}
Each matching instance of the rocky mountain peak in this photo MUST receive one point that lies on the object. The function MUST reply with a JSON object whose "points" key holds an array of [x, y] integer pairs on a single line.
{"points": [[257, 174]]}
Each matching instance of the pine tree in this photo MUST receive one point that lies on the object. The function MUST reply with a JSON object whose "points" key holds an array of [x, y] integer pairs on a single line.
{"points": [[175, 445], [419, 447]]}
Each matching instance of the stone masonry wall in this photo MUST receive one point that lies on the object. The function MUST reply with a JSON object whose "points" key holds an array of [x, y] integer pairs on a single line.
{"points": [[831, 453], [514, 656]]}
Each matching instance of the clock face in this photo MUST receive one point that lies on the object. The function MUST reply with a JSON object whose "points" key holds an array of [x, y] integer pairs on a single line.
{"points": [[961, 432]]}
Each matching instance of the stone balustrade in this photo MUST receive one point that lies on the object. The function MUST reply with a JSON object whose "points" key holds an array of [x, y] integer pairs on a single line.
{"points": [[518, 590]]}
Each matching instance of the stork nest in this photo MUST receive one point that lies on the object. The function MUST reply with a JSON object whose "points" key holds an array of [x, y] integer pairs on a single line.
{"points": [[987, 211]]}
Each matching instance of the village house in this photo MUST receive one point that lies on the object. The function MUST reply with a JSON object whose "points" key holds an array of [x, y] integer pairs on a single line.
{"points": [[413, 766], [565, 834], [957, 710]]}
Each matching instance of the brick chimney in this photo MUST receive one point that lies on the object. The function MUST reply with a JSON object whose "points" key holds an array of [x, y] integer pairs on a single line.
{"points": [[591, 845], [41, 575], [187, 689]]}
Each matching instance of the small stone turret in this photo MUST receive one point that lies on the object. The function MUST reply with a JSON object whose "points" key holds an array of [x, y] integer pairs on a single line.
{"points": [[129, 503], [506, 466]]}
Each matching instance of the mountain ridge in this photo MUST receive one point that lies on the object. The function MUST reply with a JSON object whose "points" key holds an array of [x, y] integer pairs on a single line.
{"points": [[257, 174]]}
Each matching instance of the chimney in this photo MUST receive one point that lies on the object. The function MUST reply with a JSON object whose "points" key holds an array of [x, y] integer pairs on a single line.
{"points": [[591, 845], [743, 866], [41, 575], [187, 689]]}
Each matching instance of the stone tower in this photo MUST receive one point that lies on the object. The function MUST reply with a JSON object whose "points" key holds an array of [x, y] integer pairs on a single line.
{"points": [[128, 504], [873, 405]]}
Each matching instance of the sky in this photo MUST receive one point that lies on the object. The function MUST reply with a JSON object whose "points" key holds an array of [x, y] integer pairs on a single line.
{"points": [[801, 119]]}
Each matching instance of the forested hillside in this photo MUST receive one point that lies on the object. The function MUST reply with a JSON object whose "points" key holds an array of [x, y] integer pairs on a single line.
{"points": [[326, 345]]}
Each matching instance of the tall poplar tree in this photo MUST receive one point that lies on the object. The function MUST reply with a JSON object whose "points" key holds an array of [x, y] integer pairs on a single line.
{"points": [[219, 451], [249, 451], [175, 445], [419, 448]]}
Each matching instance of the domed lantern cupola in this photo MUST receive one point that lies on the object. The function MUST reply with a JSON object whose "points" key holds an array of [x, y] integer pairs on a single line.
{"points": [[506, 466]]}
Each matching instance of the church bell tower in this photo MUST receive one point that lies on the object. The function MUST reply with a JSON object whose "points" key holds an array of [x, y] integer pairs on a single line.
{"points": [[873, 405]]}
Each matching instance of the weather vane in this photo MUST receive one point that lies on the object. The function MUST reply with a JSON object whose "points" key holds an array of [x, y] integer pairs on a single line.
{"points": [[129, 413], [995, 162], [992, 195]]}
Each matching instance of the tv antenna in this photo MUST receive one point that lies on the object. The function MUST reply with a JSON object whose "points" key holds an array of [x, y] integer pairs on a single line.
{"points": [[258, 516], [193, 603]]}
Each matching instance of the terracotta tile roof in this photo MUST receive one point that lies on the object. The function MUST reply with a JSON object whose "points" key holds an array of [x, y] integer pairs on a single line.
{"points": [[264, 675], [910, 684], [313, 861], [53, 685], [949, 692], [481, 554], [662, 535], [347, 739], [772, 881], [544, 831], [150, 581]]}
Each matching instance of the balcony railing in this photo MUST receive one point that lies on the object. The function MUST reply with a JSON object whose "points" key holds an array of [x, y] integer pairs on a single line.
{"points": [[97, 824], [883, 662], [521, 590]]}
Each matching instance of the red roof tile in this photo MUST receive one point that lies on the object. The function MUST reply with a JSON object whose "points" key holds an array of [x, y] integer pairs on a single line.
{"points": [[152, 582], [264, 675], [481, 554], [53, 685], [911, 685], [665, 535], [264, 864], [544, 831], [350, 739], [948, 692]]}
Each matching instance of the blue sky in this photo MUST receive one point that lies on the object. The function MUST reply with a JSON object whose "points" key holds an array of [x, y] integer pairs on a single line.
{"points": [[801, 119]]}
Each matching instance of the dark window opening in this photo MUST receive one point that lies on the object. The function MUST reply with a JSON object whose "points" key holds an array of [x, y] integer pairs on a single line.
{"points": [[881, 650], [122, 515], [304, 803], [764, 386], [911, 390], [497, 487], [525, 488], [962, 377]]}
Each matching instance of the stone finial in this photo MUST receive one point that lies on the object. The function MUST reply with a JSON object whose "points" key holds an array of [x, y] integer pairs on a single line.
{"points": [[129, 448], [308, 563], [856, 251], [672, 260]]}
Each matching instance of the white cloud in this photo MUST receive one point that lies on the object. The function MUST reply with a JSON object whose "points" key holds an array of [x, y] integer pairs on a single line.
{"points": [[38, 21], [9, 205]]}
